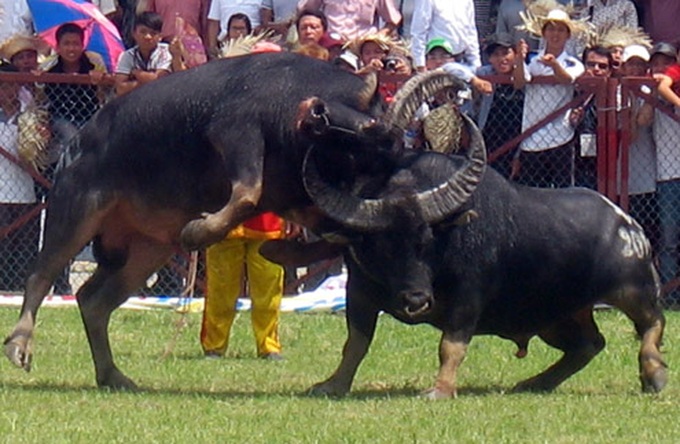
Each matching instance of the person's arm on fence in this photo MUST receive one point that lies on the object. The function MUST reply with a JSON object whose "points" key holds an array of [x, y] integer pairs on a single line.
{"points": [[665, 89], [520, 75]]}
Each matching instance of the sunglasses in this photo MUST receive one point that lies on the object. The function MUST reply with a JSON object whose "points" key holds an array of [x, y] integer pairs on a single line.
{"points": [[597, 65]]}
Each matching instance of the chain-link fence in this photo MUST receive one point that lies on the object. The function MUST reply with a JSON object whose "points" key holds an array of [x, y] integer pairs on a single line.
{"points": [[612, 135]]}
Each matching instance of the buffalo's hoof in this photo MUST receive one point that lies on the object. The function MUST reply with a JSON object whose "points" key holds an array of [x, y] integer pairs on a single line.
{"points": [[533, 385], [656, 382], [116, 380], [435, 393], [327, 389], [18, 351], [197, 234]]}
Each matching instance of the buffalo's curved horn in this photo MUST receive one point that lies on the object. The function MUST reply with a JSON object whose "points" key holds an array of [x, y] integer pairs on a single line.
{"points": [[412, 95], [459, 178], [368, 91]]}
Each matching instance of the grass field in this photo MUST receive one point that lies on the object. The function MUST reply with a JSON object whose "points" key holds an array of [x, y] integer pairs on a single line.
{"points": [[187, 399]]}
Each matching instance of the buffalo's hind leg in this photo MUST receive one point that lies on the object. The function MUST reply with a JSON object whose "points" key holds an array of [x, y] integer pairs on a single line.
{"points": [[105, 291], [641, 305], [69, 228], [580, 340]]}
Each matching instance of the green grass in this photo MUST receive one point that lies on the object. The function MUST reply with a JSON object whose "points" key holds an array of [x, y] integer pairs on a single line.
{"points": [[187, 399]]}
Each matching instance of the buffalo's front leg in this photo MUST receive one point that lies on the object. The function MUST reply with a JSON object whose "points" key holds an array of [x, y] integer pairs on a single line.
{"points": [[64, 237], [362, 318], [452, 351]]}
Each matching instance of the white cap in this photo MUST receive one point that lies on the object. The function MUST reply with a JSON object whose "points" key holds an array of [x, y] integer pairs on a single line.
{"points": [[635, 51]]}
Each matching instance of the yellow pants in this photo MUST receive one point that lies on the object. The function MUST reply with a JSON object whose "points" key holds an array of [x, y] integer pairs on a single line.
{"points": [[224, 262]]}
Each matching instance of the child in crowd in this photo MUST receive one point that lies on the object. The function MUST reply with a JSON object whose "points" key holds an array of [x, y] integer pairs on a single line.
{"points": [[546, 156], [669, 79], [642, 152], [148, 60], [71, 105], [499, 114]]}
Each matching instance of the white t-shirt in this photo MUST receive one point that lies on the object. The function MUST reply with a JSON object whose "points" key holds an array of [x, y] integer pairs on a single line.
{"points": [[16, 185], [221, 10], [541, 100]]}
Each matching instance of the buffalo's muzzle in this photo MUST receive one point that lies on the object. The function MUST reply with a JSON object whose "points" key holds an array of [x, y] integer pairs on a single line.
{"points": [[416, 302]]}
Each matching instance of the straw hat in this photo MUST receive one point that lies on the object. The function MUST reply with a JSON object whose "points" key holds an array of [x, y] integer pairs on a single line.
{"points": [[21, 42], [613, 36], [385, 43], [541, 12], [244, 44]]}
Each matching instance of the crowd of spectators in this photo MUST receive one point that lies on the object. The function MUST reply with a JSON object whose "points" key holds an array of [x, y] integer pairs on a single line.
{"points": [[472, 39]]}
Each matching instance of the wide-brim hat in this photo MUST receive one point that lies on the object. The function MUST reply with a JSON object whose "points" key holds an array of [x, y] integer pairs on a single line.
{"points": [[539, 13], [21, 42], [621, 36], [383, 41]]}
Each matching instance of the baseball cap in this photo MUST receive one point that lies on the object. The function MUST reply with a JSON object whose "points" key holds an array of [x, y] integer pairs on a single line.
{"points": [[664, 48], [495, 40], [439, 42], [635, 51]]}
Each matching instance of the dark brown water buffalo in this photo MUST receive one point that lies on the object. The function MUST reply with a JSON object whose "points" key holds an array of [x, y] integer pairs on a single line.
{"points": [[187, 158], [509, 260]]}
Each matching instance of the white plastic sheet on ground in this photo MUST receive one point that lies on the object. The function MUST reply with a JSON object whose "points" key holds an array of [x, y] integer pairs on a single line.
{"points": [[329, 296]]}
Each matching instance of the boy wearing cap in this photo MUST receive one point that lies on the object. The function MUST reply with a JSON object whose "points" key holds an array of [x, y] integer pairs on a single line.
{"points": [[546, 156], [499, 115], [642, 153], [439, 54]]}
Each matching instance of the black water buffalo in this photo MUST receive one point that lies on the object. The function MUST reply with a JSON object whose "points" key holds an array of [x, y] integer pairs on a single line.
{"points": [[510, 261], [186, 158]]}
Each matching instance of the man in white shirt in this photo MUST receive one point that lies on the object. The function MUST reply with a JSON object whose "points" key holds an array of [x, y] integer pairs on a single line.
{"points": [[451, 20], [547, 156]]}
